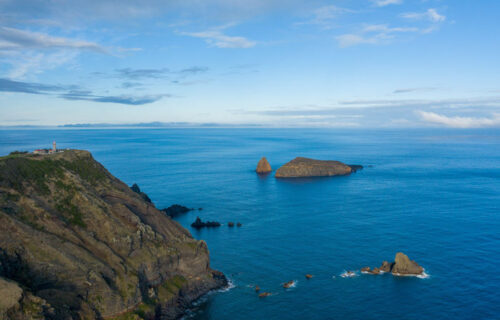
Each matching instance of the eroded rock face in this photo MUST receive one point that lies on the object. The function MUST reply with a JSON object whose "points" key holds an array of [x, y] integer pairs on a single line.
{"points": [[404, 266], [74, 236], [10, 295], [305, 167], [263, 166], [17, 304]]}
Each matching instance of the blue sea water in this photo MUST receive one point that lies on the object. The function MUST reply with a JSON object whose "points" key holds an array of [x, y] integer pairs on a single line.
{"points": [[433, 194]]}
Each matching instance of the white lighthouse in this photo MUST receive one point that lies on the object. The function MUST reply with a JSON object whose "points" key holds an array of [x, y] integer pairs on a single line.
{"points": [[54, 149]]}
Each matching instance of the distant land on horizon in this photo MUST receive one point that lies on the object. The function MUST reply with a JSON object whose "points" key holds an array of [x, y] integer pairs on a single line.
{"points": [[156, 124]]}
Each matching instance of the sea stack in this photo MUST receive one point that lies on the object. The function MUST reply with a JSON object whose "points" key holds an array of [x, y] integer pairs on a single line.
{"points": [[263, 166], [404, 266], [304, 167]]}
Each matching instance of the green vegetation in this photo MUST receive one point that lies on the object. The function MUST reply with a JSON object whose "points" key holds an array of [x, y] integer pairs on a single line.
{"points": [[139, 313], [86, 169], [71, 212], [16, 170], [170, 288], [13, 153]]}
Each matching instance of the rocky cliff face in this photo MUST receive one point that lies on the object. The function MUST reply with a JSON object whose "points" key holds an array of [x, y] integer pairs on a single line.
{"points": [[305, 167], [77, 243]]}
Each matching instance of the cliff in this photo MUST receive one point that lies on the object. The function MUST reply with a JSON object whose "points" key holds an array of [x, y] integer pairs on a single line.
{"points": [[305, 167], [77, 243]]}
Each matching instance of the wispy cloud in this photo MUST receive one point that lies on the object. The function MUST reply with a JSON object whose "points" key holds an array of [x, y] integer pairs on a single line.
{"points": [[218, 39], [373, 34], [156, 73], [135, 74], [120, 99], [325, 16], [430, 14], [415, 103], [35, 62], [7, 85], [128, 85], [383, 3], [16, 39], [411, 90], [74, 93], [460, 122]]}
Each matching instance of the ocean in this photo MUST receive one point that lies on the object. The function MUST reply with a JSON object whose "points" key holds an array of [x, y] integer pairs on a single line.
{"points": [[433, 194]]}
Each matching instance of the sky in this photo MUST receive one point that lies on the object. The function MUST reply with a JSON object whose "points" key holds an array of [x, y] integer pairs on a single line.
{"points": [[275, 63]]}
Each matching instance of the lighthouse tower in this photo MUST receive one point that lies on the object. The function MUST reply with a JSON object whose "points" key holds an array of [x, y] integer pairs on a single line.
{"points": [[54, 149]]}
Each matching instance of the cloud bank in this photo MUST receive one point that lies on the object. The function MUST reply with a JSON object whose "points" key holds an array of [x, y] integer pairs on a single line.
{"points": [[460, 122]]}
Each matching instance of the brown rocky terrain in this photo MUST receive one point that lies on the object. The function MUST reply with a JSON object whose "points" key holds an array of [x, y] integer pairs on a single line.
{"points": [[77, 243], [305, 167], [263, 166]]}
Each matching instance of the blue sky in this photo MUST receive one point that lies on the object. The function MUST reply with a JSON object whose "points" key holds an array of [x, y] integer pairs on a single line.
{"points": [[366, 63]]}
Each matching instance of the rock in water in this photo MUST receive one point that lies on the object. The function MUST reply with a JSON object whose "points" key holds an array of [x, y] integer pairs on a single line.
{"points": [[175, 210], [263, 166], [404, 266], [81, 244], [305, 167], [264, 294], [198, 224], [386, 266], [137, 190]]}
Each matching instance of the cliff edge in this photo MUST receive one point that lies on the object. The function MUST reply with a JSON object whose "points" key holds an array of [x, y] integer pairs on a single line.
{"points": [[77, 243]]}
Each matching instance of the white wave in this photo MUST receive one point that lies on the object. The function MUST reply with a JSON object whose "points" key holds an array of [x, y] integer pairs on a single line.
{"points": [[349, 274], [294, 284], [420, 276], [230, 285]]}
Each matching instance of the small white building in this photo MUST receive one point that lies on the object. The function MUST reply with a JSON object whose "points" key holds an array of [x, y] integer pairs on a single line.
{"points": [[47, 151]]}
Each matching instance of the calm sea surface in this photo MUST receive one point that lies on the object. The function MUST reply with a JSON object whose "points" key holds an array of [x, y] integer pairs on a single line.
{"points": [[433, 194]]}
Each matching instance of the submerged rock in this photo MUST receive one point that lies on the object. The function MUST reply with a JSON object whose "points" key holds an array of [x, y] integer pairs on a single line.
{"points": [[198, 224], [257, 288], [175, 210], [230, 224], [305, 167], [239, 224], [263, 166], [264, 294]]}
